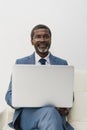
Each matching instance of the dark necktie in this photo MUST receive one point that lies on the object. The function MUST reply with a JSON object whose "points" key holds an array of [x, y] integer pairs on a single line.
{"points": [[42, 61]]}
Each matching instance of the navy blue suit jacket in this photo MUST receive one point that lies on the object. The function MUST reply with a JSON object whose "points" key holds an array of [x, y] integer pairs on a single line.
{"points": [[28, 60]]}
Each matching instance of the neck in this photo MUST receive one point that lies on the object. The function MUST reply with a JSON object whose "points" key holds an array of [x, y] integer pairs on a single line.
{"points": [[43, 54]]}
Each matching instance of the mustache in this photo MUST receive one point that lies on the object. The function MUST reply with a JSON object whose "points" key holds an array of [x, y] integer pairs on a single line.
{"points": [[44, 43]]}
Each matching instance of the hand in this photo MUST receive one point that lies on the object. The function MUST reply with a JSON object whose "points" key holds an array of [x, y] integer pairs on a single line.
{"points": [[63, 111]]}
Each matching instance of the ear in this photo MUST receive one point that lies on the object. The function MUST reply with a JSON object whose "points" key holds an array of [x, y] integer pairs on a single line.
{"points": [[32, 42]]}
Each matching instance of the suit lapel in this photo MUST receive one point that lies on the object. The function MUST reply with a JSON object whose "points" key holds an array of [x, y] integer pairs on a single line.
{"points": [[31, 59], [52, 59]]}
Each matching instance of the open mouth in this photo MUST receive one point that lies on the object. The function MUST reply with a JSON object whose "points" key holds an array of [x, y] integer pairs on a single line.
{"points": [[43, 45]]}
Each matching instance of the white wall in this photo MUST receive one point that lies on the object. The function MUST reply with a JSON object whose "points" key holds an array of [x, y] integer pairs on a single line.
{"points": [[66, 18]]}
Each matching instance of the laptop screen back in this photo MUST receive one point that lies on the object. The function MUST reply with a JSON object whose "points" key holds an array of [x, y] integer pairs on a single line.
{"points": [[37, 86]]}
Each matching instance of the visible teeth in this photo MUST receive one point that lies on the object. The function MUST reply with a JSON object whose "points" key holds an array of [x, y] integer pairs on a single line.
{"points": [[43, 50]]}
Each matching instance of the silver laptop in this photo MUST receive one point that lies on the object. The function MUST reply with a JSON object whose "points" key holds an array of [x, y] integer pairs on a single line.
{"points": [[37, 86]]}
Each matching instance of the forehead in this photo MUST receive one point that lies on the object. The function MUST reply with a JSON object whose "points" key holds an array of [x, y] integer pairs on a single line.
{"points": [[41, 31]]}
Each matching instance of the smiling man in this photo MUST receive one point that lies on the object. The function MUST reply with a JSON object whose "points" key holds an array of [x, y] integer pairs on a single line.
{"points": [[47, 117], [41, 39]]}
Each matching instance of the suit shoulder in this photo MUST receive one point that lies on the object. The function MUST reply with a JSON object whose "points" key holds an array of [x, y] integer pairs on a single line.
{"points": [[60, 61], [22, 60], [59, 58]]}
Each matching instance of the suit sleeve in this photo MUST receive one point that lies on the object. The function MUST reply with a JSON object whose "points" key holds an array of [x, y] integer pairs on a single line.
{"points": [[8, 96], [65, 63]]}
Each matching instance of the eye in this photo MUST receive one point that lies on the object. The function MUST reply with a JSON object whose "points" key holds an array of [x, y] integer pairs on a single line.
{"points": [[46, 36], [37, 37]]}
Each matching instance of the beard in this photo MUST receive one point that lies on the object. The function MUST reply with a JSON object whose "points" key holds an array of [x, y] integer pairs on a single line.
{"points": [[42, 47], [43, 50]]}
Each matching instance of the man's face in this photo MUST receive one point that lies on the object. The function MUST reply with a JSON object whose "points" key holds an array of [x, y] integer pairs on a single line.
{"points": [[41, 41]]}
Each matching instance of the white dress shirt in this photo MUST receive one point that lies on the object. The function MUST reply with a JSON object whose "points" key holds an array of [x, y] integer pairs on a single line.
{"points": [[37, 58]]}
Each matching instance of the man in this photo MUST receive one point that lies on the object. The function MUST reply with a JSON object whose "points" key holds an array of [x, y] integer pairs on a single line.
{"points": [[47, 117]]}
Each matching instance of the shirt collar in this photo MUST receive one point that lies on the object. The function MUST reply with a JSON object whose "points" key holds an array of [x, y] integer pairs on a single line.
{"points": [[37, 58]]}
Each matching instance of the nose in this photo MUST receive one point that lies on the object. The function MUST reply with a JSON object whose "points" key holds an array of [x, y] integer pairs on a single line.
{"points": [[42, 39]]}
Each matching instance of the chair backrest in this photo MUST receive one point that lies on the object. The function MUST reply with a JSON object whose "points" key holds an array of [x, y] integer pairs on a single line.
{"points": [[78, 114]]}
